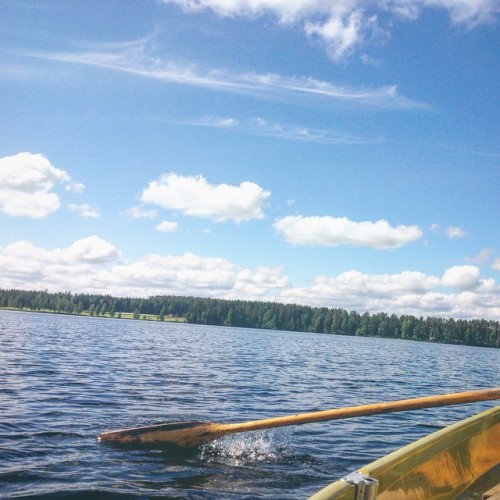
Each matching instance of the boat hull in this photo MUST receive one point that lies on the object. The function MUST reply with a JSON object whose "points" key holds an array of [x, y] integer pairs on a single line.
{"points": [[440, 466]]}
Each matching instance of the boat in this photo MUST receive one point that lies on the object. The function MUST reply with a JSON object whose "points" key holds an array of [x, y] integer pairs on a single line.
{"points": [[443, 465]]}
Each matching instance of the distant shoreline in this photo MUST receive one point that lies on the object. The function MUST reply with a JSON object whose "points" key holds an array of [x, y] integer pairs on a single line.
{"points": [[259, 315], [122, 315]]}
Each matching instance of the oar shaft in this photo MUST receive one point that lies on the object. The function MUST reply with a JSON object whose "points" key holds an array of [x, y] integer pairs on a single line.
{"points": [[370, 409], [190, 434]]}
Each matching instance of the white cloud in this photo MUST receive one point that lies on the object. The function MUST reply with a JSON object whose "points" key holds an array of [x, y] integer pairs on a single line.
{"points": [[26, 185], [496, 264], [193, 195], [92, 249], [139, 59], [258, 282], [262, 127], [450, 231], [140, 213], [91, 265], [371, 61], [455, 232], [345, 25], [216, 121], [471, 12], [462, 277], [333, 231], [358, 291], [484, 256], [85, 210], [376, 286], [289, 11], [404, 293], [75, 187], [167, 226], [342, 34]]}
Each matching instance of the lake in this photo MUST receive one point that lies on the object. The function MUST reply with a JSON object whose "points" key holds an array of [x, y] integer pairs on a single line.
{"points": [[65, 379]]}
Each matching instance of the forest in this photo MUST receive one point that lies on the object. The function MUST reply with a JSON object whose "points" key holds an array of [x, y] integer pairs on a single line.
{"points": [[267, 315]]}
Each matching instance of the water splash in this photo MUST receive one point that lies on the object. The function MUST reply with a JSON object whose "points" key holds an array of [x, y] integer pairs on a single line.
{"points": [[259, 446]]}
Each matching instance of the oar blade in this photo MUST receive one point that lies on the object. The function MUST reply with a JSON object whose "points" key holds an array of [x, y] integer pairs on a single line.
{"points": [[176, 434]]}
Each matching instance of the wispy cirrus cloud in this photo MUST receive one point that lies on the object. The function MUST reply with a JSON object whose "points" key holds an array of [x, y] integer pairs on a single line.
{"points": [[265, 128], [140, 59]]}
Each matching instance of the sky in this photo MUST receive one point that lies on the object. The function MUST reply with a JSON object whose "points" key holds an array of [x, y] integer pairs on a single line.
{"points": [[342, 154]]}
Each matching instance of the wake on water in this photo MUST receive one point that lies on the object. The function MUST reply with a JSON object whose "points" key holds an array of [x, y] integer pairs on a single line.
{"points": [[258, 446]]}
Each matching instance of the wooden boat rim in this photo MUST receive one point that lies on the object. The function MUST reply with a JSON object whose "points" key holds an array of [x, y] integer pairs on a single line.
{"points": [[339, 488]]}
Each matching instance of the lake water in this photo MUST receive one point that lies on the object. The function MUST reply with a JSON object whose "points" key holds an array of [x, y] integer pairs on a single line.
{"points": [[65, 379]]}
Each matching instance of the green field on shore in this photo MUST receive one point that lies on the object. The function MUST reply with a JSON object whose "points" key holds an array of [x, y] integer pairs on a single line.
{"points": [[123, 315]]}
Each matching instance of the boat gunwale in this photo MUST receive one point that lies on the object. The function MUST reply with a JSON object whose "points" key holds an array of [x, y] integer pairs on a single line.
{"points": [[434, 444]]}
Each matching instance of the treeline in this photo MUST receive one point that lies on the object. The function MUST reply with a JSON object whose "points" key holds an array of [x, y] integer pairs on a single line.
{"points": [[268, 315]]}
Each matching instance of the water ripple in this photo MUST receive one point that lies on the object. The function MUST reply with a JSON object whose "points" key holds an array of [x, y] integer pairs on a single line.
{"points": [[66, 379]]}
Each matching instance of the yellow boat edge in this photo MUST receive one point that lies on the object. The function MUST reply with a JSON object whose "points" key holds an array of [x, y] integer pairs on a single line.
{"points": [[441, 465]]}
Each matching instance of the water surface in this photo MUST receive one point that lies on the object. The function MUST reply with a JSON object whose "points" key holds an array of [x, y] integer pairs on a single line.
{"points": [[65, 379]]}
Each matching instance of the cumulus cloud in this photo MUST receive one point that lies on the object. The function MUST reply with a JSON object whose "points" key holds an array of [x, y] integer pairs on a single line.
{"points": [[409, 292], [290, 11], [93, 265], [79, 267], [75, 187], [193, 195], [471, 12], [351, 290], [140, 213], [85, 210], [357, 286], [449, 231], [167, 226], [496, 264], [485, 255], [462, 277], [251, 283], [342, 34], [27, 181], [334, 231], [344, 25], [455, 232], [92, 249]]}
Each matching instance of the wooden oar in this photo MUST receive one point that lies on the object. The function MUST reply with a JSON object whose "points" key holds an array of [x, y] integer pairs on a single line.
{"points": [[190, 434]]}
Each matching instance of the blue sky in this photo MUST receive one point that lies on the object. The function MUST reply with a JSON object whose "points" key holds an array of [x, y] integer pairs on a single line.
{"points": [[341, 156]]}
